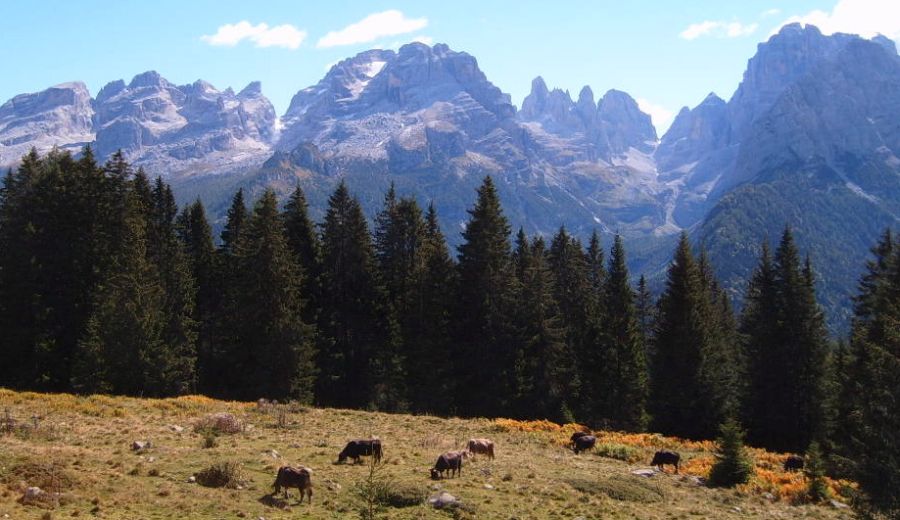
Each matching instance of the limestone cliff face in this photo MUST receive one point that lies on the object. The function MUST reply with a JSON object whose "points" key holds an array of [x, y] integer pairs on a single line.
{"points": [[59, 116]]}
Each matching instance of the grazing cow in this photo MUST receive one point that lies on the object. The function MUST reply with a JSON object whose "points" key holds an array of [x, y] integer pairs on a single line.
{"points": [[663, 457], [361, 447], [583, 443], [451, 461], [577, 435], [793, 463], [481, 447], [289, 477]]}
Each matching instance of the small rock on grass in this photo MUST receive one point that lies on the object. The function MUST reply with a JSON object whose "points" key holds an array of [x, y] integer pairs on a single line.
{"points": [[443, 500]]}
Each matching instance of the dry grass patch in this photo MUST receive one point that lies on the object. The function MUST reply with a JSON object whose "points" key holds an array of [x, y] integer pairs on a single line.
{"points": [[226, 474], [221, 422]]}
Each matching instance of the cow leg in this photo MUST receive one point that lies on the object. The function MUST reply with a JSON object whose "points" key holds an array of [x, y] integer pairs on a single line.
{"points": [[309, 495], [676, 468]]}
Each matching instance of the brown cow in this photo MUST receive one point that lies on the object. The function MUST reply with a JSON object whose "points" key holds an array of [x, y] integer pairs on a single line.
{"points": [[289, 477], [481, 447], [451, 461]]}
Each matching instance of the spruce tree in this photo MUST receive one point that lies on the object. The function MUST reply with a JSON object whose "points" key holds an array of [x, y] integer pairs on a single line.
{"points": [[303, 241], [684, 397], [361, 366], [542, 360], [428, 335], [484, 331], [786, 348], [274, 353], [196, 238], [624, 375], [733, 466], [869, 421], [236, 217], [124, 351]]}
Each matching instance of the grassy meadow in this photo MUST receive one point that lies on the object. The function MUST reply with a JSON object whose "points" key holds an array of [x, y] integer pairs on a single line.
{"points": [[79, 451]]}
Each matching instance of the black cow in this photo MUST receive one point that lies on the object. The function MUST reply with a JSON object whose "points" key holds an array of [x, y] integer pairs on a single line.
{"points": [[289, 477], [583, 443], [451, 461], [793, 463], [663, 457], [361, 447], [577, 435]]}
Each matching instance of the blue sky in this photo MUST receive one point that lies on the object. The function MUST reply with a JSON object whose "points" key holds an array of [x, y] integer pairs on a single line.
{"points": [[666, 54]]}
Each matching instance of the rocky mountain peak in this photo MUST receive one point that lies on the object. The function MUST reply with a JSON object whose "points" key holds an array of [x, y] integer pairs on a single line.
{"points": [[885, 42], [586, 97], [253, 89], [151, 78], [58, 116]]}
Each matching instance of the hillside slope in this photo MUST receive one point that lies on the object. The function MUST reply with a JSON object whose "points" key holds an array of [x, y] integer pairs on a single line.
{"points": [[81, 448]]}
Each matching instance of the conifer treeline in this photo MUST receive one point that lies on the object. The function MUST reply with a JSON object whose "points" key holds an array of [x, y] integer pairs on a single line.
{"points": [[106, 287]]}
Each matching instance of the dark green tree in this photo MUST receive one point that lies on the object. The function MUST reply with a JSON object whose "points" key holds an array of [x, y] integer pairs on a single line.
{"points": [[484, 331], [786, 347], [236, 217], [624, 377], [542, 360], [868, 421], [361, 366], [733, 466], [274, 354], [685, 396], [303, 241], [197, 241]]}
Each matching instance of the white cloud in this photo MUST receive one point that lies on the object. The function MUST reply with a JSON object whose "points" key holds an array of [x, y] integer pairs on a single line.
{"points": [[771, 12], [718, 29], [372, 27], [660, 115], [863, 17], [229, 35], [427, 40]]}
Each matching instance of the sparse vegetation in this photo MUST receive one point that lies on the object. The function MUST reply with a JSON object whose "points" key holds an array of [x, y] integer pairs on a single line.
{"points": [[226, 474]]}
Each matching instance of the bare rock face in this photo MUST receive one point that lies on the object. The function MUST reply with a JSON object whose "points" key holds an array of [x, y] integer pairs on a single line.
{"points": [[169, 128], [59, 116], [606, 130], [429, 118]]}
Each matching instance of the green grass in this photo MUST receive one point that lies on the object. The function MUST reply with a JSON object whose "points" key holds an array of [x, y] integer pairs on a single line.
{"points": [[82, 449]]}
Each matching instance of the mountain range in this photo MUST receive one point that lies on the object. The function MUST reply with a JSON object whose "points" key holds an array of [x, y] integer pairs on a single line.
{"points": [[811, 138]]}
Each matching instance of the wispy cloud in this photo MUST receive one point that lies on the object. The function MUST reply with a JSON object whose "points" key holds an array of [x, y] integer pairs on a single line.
{"points": [[660, 115], [770, 12], [372, 27], [863, 17], [286, 36], [719, 29]]}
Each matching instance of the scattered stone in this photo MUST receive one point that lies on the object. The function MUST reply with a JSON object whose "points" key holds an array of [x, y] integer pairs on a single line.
{"points": [[443, 500], [140, 445], [192, 479], [735, 509], [274, 454], [175, 428], [33, 493], [838, 505], [647, 473], [488, 486], [769, 496], [151, 459]]}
